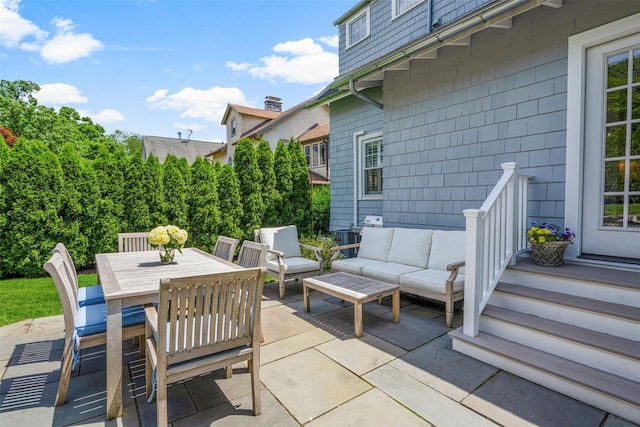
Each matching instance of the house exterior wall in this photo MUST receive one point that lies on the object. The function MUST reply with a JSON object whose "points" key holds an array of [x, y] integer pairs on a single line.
{"points": [[350, 115], [387, 35], [295, 125], [449, 123]]}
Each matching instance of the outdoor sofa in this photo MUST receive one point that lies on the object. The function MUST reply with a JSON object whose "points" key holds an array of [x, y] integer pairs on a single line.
{"points": [[427, 263]]}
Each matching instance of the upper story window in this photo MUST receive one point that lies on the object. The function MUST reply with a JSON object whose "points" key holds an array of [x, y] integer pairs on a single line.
{"points": [[401, 6], [233, 127], [316, 154], [358, 28]]}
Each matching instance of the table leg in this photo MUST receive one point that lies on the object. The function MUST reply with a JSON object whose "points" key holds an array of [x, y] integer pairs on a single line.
{"points": [[357, 318], [395, 306], [114, 358], [306, 291]]}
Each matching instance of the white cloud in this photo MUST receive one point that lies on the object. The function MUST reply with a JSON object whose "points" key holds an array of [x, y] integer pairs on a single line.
{"points": [[59, 94], [14, 28], [107, 116], [301, 61], [207, 104], [65, 46], [238, 67], [331, 41]]}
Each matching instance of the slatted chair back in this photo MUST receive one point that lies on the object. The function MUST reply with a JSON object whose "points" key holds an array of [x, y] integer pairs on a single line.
{"points": [[83, 326], [134, 242], [70, 267], [252, 254], [225, 247], [201, 324]]}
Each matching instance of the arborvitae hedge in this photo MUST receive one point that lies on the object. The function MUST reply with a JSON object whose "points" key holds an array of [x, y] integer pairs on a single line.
{"points": [[47, 198]]}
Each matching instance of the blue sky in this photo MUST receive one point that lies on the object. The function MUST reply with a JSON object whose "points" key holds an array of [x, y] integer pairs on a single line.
{"points": [[165, 66]]}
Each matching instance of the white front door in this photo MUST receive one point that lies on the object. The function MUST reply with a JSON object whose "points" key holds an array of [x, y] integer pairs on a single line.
{"points": [[611, 172]]}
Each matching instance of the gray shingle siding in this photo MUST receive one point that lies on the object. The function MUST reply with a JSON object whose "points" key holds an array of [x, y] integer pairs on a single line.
{"points": [[449, 123], [348, 116]]}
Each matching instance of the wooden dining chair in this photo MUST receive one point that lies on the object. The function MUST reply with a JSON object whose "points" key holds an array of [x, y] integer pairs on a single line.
{"points": [[252, 254], [201, 324], [134, 242], [225, 247], [87, 295], [84, 326]]}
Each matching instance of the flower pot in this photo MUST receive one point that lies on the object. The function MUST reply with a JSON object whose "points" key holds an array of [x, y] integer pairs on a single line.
{"points": [[550, 254], [166, 255]]}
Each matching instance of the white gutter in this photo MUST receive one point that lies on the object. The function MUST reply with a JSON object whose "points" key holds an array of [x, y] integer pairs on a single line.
{"points": [[364, 97]]}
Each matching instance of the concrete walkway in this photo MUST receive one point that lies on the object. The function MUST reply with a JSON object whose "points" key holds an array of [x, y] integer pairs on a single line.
{"points": [[314, 372]]}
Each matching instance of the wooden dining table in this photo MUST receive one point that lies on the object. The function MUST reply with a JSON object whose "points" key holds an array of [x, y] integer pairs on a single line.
{"points": [[130, 278]]}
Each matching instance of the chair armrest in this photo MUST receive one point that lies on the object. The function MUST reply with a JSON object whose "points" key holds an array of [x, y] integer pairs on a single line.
{"points": [[151, 316], [336, 249], [279, 254], [454, 267], [315, 249]]}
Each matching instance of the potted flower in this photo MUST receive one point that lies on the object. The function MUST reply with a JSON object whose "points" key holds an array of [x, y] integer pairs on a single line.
{"points": [[168, 238], [548, 242]]}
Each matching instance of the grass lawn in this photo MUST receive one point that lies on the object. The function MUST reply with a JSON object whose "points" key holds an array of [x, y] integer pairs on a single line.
{"points": [[31, 298]]}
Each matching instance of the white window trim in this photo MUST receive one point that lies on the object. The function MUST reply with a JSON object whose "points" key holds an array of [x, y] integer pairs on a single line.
{"points": [[395, 14], [576, 73], [355, 18], [361, 138]]}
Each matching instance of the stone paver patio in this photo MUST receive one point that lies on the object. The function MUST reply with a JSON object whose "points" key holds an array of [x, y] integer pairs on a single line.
{"points": [[314, 372]]}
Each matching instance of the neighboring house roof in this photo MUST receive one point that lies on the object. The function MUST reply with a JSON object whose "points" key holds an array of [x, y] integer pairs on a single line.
{"points": [[249, 111], [161, 147], [315, 133], [317, 179]]}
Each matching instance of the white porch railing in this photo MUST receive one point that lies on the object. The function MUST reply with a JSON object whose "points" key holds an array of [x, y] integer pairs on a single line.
{"points": [[495, 234]]}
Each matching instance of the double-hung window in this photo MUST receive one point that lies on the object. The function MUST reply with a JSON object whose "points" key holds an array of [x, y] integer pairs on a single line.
{"points": [[316, 154], [371, 166], [233, 127], [401, 6], [358, 28]]}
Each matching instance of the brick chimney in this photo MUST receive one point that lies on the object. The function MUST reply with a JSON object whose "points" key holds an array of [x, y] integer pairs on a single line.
{"points": [[272, 103]]}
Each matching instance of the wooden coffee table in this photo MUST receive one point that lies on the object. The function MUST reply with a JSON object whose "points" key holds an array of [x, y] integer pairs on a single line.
{"points": [[355, 289]]}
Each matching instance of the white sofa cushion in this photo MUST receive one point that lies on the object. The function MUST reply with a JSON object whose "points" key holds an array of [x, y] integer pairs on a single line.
{"points": [[388, 271], [429, 280], [411, 246], [446, 247], [283, 239], [375, 243], [353, 265], [293, 265]]}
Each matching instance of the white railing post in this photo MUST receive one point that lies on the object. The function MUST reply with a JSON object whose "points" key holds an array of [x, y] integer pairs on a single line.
{"points": [[513, 211], [473, 271]]}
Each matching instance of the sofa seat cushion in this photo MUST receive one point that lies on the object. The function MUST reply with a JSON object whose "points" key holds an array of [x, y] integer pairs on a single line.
{"points": [[293, 265], [283, 239], [353, 265], [387, 271], [430, 280], [375, 243], [411, 246]]}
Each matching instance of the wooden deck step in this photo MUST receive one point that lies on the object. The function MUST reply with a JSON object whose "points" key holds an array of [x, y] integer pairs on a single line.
{"points": [[602, 382], [583, 273], [581, 303], [610, 343]]}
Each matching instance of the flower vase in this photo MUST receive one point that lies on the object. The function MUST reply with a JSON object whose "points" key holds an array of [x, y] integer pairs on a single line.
{"points": [[549, 254], [166, 255]]}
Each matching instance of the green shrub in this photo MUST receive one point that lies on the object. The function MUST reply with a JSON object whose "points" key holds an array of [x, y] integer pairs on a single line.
{"points": [[323, 242]]}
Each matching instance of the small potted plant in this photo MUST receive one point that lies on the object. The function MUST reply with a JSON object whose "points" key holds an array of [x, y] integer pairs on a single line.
{"points": [[168, 238], [548, 242]]}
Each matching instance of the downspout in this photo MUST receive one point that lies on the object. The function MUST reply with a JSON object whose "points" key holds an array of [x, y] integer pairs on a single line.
{"points": [[356, 189], [363, 97]]}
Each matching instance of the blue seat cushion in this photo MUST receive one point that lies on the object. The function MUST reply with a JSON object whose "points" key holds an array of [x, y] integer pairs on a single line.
{"points": [[92, 319], [90, 295]]}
